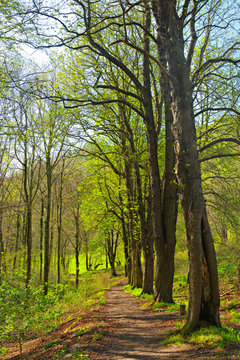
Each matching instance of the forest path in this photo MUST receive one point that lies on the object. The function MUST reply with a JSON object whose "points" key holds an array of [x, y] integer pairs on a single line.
{"points": [[121, 329], [135, 332]]}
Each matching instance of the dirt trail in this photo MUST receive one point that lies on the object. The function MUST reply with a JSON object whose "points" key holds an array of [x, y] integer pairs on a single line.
{"points": [[136, 332], [126, 331]]}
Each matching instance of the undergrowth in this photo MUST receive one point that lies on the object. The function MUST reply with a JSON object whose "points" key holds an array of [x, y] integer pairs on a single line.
{"points": [[27, 313]]}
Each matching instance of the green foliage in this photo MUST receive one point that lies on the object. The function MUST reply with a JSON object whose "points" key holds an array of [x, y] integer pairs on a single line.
{"points": [[79, 332], [98, 335], [102, 301], [3, 350], [59, 355], [52, 343], [27, 312], [27, 309], [226, 271], [79, 356], [74, 356]]}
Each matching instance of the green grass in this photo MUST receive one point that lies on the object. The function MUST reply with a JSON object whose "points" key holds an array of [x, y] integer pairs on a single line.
{"points": [[137, 293], [211, 336], [167, 307]]}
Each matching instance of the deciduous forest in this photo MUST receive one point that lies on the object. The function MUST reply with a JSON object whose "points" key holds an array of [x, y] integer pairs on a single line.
{"points": [[119, 163]]}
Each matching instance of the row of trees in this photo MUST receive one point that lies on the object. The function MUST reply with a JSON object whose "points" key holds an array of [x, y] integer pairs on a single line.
{"points": [[151, 91]]}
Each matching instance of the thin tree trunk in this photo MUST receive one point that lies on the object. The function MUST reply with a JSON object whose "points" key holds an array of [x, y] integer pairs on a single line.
{"points": [[146, 240], [1, 244], [136, 270], [29, 243], [77, 243], [18, 227], [238, 275], [112, 250], [47, 227], [41, 237], [59, 212]]}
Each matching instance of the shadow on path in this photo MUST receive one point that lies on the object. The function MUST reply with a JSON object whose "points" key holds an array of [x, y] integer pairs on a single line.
{"points": [[136, 332]]}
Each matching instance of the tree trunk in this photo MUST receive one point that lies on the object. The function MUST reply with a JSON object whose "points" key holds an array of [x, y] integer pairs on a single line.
{"points": [[146, 240], [41, 238], [165, 256], [136, 269], [18, 227], [29, 242], [238, 275], [47, 226], [111, 250], [164, 247], [1, 244], [125, 236], [204, 295], [77, 244], [59, 217]]}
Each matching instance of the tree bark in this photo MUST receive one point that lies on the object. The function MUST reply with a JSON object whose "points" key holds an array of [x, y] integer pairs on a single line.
{"points": [[164, 205], [204, 295], [165, 257]]}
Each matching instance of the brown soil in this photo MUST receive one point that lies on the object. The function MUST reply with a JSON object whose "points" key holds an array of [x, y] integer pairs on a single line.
{"points": [[120, 330]]}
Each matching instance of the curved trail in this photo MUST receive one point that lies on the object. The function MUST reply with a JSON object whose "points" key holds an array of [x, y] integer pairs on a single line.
{"points": [[137, 332], [130, 333]]}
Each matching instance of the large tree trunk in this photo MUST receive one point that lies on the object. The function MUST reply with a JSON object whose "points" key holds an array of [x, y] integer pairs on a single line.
{"points": [[165, 256], [204, 295], [164, 203]]}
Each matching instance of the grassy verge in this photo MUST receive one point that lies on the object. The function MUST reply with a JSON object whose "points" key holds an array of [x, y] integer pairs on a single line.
{"points": [[27, 314], [221, 339], [148, 301]]}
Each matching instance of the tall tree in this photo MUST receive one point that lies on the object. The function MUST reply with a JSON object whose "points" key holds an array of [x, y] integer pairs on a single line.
{"points": [[204, 293]]}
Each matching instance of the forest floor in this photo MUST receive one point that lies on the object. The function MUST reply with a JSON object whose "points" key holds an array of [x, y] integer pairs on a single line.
{"points": [[120, 329]]}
